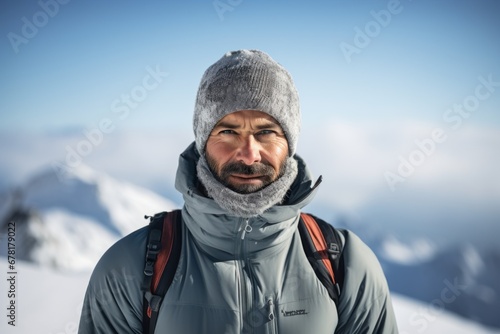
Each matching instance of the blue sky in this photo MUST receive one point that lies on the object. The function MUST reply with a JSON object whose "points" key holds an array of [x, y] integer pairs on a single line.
{"points": [[361, 110], [427, 56]]}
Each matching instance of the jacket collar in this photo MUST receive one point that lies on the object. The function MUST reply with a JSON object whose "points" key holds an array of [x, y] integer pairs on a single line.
{"points": [[219, 231]]}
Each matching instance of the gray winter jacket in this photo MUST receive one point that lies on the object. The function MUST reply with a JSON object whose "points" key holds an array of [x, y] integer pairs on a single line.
{"points": [[239, 276]]}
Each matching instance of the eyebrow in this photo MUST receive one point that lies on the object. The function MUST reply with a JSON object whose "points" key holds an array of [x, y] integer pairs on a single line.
{"points": [[224, 124]]}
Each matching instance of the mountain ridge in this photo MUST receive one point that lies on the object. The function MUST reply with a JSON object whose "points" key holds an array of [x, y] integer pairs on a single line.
{"points": [[68, 223]]}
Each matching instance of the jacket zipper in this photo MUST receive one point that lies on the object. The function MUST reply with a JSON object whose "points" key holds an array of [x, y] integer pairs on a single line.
{"points": [[246, 229], [271, 316], [245, 290]]}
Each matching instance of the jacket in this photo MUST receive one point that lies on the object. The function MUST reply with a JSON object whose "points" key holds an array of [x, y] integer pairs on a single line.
{"points": [[239, 275]]}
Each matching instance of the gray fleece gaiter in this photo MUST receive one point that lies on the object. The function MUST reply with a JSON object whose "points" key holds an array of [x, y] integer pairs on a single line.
{"points": [[247, 205]]}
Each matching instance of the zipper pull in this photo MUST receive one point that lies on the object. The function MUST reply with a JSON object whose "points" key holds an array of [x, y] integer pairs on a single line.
{"points": [[246, 229], [270, 305]]}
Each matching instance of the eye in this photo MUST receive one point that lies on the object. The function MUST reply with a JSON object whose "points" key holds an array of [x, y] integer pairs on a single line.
{"points": [[226, 132], [266, 132]]}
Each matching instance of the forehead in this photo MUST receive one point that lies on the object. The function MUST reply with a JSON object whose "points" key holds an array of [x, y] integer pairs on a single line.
{"points": [[248, 115]]}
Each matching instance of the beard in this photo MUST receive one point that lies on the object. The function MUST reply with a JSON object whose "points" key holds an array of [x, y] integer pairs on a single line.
{"points": [[266, 173]]}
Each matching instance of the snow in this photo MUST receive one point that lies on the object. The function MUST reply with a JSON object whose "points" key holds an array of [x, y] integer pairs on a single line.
{"points": [[462, 279], [49, 302], [117, 205], [414, 317], [74, 251], [69, 220]]}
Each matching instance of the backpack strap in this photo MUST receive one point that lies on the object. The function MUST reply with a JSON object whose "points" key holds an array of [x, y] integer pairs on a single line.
{"points": [[323, 248], [162, 256]]}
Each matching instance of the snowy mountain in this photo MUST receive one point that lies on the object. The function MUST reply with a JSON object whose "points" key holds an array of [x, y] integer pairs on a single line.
{"points": [[464, 278], [51, 302], [68, 221], [461, 279]]}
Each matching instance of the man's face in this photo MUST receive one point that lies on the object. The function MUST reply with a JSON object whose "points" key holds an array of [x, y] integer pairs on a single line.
{"points": [[247, 150]]}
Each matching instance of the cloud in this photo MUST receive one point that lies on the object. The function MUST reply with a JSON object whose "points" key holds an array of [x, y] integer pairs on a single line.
{"points": [[353, 158]]}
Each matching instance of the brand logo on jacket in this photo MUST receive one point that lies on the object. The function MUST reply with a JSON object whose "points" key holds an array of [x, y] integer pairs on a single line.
{"points": [[293, 313]]}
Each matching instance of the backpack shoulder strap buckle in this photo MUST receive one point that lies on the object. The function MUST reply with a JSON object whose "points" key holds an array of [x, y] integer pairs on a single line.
{"points": [[154, 301], [334, 250]]}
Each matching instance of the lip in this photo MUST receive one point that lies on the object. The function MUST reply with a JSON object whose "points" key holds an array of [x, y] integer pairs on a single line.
{"points": [[247, 178]]}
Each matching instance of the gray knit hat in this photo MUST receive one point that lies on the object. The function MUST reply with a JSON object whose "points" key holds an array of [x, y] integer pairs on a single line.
{"points": [[246, 80]]}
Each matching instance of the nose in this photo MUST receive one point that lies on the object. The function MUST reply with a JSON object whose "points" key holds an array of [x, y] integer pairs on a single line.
{"points": [[249, 152]]}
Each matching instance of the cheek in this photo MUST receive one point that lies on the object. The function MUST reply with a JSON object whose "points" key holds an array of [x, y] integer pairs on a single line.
{"points": [[217, 152], [277, 154]]}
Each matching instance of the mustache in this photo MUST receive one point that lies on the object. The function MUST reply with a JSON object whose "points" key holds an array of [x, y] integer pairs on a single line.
{"points": [[260, 169]]}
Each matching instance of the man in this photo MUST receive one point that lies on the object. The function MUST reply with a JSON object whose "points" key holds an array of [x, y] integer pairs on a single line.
{"points": [[242, 267]]}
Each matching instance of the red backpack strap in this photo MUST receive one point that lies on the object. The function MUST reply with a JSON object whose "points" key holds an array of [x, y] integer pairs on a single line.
{"points": [[162, 257], [322, 245], [319, 242]]}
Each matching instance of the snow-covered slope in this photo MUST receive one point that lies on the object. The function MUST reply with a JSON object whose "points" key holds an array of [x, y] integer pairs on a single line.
{"points": [[68, 221], [50, 302], [415, 317]]}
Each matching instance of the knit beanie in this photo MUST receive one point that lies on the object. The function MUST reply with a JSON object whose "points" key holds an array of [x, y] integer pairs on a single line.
{"points": [[246, 80]]}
